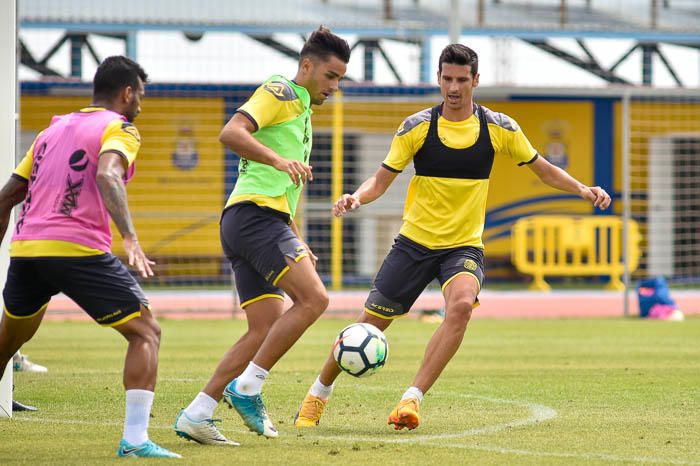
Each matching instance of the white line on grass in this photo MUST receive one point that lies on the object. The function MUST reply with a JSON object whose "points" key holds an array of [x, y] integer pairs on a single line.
{"points": [[538, 413]]}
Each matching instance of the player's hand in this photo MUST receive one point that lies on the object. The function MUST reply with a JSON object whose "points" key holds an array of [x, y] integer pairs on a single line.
{"points": [[298, 171], [598, 197], [312, 256], [137, 258], [345, 203]]}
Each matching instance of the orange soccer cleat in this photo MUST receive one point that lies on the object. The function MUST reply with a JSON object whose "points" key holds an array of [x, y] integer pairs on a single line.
{"points": [[405, 414]]}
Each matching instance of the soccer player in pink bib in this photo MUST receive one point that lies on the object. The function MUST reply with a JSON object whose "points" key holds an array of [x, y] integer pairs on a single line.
{"points": [[72, 181]]}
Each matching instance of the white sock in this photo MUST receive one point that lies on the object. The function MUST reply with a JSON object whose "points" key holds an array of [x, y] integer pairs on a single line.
{"points": [[202, 407], [413, 392], [250, 382], [138, 412], [320, 390]]}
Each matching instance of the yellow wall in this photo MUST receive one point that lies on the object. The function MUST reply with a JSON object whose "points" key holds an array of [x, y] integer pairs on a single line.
{"points": [[176, 210], [567, 123], [167, 202]]}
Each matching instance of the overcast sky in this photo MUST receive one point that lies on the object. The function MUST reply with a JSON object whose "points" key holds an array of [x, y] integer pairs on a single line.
{"points": [[235, 58]]}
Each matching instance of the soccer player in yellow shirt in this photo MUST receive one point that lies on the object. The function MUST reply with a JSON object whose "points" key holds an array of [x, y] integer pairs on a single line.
{"points": [[272, 133], [452, 146]]}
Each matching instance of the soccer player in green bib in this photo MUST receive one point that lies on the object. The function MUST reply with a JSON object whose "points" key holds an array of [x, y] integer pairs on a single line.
{"points": [[452, 146], [272, 134]]}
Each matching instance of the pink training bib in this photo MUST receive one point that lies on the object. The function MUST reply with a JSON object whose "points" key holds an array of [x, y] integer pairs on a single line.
{"points": [[63, 201]]}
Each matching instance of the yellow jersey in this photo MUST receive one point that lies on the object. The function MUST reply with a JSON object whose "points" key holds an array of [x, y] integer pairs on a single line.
{"points": [[446, 200]]}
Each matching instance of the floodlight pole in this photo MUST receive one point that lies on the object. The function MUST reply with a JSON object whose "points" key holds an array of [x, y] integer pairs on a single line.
{"points": [[626, 197], [454, 24]]}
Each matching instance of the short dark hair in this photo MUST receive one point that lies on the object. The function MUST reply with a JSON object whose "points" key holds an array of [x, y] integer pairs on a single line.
{"points": [[458, 54], [322, 43], [114, 74]]}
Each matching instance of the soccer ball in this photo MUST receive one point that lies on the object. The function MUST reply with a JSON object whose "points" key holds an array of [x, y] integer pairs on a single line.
{"points": [[360, 349]]}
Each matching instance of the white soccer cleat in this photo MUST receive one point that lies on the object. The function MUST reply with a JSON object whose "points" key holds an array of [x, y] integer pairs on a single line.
{"points": [[204, 432], [21, 363]]}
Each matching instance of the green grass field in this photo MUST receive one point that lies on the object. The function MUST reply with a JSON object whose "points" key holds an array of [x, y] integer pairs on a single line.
{"points": [[518, 392]]}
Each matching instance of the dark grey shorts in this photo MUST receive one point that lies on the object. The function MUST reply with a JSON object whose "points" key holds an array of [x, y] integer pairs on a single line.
{"points": [[101, 285], [256, 241], [410, 267]]}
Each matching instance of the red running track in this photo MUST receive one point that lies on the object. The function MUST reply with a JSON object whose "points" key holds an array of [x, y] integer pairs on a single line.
{"points": [[494, 304]]}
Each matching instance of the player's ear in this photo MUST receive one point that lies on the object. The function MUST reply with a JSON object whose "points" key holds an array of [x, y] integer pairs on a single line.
{"points": [[126, 94], [476, 79], [306, 64]]}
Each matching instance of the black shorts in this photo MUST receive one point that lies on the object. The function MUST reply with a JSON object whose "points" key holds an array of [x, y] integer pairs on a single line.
{"points": [[410, 267], [101, 285], [256, 241]]}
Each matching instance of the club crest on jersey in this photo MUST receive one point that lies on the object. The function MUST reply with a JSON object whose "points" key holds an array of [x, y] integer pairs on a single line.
{"points": [[470, 265]]}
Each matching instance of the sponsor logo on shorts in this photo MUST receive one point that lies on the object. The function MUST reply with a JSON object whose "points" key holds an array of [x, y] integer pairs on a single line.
{"points": [[386, 309], [110, 316], [470, 265]]}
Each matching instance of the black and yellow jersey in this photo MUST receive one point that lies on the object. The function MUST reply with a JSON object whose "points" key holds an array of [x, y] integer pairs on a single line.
{"points": [[446, 199]]}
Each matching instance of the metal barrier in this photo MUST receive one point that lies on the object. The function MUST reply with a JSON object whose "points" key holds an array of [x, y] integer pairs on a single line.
{"points": [[573, 246]]}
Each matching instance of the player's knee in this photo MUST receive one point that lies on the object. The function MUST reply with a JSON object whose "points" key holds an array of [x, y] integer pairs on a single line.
{"points": [[155, 328], [258, 333], [148, 332], [321, 301], [460, 311], [152, 338], [314, 302]]}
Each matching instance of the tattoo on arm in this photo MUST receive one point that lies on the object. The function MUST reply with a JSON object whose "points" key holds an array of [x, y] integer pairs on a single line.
{"points": [[114, 197]]}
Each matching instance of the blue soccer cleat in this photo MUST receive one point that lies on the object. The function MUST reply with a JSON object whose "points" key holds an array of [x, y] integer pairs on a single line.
{"points": [[251, 409], [145, 450]]}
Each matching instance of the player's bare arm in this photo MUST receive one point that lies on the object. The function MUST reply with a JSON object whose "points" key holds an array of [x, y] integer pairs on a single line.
{"points": [[560, 179], [312, 256], [110, 174], [14, 192], [237, 134], [372, 188]]}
